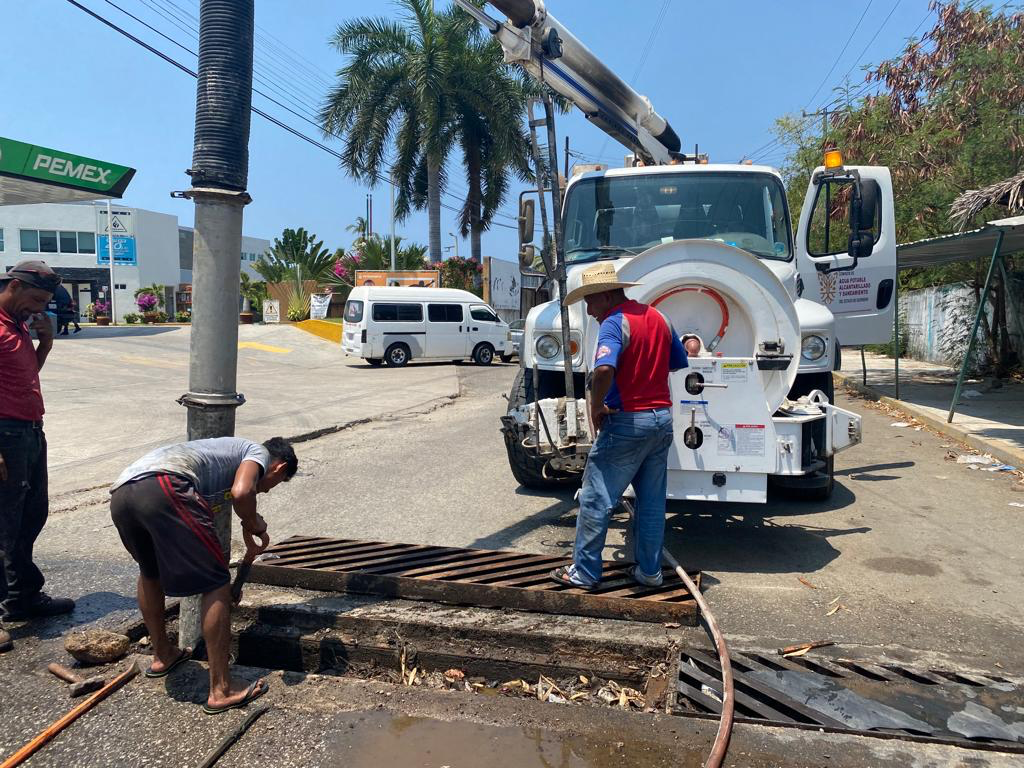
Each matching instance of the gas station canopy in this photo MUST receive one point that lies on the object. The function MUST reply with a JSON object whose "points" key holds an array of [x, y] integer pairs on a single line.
{"points": [[30, 174]]}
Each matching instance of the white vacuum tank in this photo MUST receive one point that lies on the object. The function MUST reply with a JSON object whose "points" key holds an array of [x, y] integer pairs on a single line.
{"points": [[723, 295]]}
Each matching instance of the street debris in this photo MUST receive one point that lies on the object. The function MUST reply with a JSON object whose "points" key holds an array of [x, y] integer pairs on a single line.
{"points": [[805, 582], [899, 424], [835, 609], [1016, 504], [96, 646], [971, 393], [801, 649], [672, 625]]}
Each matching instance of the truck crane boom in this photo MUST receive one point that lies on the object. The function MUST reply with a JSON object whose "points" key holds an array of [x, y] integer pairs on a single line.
{"points": [[534, 39]]}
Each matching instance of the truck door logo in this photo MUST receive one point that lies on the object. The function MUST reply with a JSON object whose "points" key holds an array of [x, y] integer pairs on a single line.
{"points": [[827, 284]]}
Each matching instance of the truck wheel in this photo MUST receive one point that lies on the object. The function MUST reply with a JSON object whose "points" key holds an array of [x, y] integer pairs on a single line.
{"points": [[527, 469], [506, 358], [397, 355], [374, 362], [483, 354]]}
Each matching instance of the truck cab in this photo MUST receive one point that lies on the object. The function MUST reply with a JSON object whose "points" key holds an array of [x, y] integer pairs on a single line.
{"points": [[713, 246]]}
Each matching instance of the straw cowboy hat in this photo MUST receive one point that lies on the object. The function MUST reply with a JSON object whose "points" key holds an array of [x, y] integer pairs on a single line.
{"points": [[596, 279]]}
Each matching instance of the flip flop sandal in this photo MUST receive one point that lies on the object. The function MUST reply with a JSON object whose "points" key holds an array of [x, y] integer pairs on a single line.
{"points": [[186, 654], [561, 575], [256, 689]]}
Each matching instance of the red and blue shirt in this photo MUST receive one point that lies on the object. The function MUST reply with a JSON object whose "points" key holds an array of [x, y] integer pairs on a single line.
{"points": [[642, 346]]}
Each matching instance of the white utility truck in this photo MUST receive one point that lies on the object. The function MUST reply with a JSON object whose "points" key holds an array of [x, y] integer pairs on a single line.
{"points": [[711, 246]]}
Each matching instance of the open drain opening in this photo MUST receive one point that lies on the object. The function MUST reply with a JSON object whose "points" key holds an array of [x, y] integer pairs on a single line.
{"points": [[430, 657]]}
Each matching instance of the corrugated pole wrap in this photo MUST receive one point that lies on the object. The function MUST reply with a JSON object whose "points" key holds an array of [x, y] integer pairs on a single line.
{"points": [[220, 169]]}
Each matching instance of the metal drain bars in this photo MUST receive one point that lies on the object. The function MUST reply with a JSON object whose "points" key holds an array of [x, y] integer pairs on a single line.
{"points": [[490, 578], [870, 699]]}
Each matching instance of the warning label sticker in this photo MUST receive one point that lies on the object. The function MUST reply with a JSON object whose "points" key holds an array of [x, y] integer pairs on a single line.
{"points": [[741, 440], [735, 372]]}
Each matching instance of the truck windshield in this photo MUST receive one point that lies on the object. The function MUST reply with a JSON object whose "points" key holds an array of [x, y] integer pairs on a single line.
{"points": [[612, 216]]}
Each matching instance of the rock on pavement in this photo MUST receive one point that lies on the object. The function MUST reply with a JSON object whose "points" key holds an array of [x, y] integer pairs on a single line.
{"points": [[96, 646]]}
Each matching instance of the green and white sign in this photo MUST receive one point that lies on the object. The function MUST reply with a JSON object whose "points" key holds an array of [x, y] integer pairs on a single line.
{"points": [[31, 174]]}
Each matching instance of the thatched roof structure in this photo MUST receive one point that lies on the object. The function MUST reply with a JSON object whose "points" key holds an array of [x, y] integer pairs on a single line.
{"points": [[1009, 192]]}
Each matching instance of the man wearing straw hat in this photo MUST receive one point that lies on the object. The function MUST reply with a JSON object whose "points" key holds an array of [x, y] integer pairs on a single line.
{"points": [[631, 409]]}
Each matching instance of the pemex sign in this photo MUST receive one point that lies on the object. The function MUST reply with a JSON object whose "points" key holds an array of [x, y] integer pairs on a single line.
{"points": [[55, 168]]}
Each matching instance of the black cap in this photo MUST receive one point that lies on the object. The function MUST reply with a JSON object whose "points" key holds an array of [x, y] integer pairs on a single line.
{"points": [[38, 274]]}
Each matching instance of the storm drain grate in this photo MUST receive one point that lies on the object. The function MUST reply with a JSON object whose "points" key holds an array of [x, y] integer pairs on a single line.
{"points": [[861, 697], [481, 577]]}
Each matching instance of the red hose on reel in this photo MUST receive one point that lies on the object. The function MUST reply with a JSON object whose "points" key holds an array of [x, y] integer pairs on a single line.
{"points": [[716, 296]]}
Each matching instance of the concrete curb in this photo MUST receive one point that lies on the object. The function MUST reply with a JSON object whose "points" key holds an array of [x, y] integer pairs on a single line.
{"points": [[1005, 455], [326, 331]]}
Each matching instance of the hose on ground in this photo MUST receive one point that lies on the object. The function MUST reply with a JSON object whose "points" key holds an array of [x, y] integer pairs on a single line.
{"points": [[721, 744]]}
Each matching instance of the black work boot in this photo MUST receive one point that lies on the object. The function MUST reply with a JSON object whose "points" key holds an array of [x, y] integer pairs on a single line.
{"points": [[39, 606]]}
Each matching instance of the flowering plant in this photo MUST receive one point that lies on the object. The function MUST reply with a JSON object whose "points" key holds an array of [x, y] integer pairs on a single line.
{"points": [[101, 307], [459, 273], [146, 301]]}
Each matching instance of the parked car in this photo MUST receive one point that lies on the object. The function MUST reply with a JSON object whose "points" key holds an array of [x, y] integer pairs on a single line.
{"points": [[396, 325], [515, 337]]}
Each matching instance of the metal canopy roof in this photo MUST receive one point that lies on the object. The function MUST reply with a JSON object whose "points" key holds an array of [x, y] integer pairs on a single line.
{"points": [[962, 246], [31, 174]]}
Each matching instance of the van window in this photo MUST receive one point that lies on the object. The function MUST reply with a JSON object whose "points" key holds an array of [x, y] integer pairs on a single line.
{"points": [[444, 313], [398, 313], [353, 311], [483, 314]]}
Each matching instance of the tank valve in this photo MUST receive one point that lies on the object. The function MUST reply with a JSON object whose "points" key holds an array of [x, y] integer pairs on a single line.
{"points": [[693, 438]]}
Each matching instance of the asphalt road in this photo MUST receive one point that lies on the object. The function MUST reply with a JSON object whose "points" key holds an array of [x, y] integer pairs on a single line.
{"points": [[922, 554]]}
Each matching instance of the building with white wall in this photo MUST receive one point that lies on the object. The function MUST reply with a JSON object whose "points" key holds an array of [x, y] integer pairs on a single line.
{"points": [[149, 248]]}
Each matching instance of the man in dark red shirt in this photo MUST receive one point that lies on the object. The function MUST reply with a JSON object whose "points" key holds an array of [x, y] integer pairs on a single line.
{"points": [[631, 411], [25, 291]]}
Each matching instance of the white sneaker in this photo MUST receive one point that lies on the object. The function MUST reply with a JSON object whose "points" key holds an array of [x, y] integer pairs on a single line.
{"points": [[643, 578]]}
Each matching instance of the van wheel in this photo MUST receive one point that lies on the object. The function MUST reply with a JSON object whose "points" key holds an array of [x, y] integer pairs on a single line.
{"points": [[506, 358], [397, 355], [374, 361], [483, 354]]}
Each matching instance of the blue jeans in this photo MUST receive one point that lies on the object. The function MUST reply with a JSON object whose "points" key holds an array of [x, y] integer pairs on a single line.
{"points": [[630, 448]]}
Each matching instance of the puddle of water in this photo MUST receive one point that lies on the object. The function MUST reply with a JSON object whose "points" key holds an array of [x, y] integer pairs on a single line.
{"points": [[376, 739]]}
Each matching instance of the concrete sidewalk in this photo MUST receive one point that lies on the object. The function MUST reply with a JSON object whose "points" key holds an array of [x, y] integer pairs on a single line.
{"points": [[990, 420]]}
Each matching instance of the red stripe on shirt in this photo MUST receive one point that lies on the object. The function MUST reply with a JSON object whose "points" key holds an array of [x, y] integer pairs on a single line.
{"points": [[189, 520]]}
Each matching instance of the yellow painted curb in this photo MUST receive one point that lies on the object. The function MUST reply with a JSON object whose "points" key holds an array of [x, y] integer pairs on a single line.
{"points": [[323, 329]]}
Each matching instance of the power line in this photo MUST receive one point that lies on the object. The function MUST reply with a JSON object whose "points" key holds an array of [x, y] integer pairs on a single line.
{"points": [[840, 56], [655, 28], [256, 110]]}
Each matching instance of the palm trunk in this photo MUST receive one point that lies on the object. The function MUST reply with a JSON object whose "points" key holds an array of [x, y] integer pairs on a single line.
{"points": [[434, 208], [474, 201]]}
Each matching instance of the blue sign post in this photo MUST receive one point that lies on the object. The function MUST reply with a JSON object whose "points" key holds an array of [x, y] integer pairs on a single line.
{"points": [[124, 251]]}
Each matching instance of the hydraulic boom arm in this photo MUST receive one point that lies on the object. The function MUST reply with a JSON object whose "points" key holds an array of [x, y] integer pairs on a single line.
{"points": [[533, 38]]}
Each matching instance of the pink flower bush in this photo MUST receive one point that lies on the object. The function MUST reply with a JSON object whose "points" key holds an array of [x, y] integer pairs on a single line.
{"points": [[146, 301]]}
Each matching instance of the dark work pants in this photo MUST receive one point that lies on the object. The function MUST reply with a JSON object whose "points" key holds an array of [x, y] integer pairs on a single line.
{"points": [[24, 506]]}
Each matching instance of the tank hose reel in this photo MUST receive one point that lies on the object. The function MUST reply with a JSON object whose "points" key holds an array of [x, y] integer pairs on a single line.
{"points": [[714, 295]]}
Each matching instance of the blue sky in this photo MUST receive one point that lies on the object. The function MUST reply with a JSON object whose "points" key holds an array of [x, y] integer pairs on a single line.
{"points": [[721, 72]]}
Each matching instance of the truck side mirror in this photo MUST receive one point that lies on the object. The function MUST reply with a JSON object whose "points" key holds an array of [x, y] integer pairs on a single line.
{"points": [[527, 255], [526, 224], [864, 211]]}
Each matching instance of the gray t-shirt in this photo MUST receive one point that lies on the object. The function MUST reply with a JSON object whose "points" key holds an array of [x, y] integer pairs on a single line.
{"points": [[210, 465]]}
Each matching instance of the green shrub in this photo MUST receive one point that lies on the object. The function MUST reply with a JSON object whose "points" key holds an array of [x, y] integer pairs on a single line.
{"points": [[183, 317], [131, 318]]}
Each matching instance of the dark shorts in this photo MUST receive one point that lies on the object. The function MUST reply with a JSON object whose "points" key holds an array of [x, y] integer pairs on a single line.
{"points": [[169, 529]]}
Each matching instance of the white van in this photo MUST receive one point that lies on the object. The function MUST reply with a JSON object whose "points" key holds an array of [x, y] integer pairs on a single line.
{"points": [[396, 325]]}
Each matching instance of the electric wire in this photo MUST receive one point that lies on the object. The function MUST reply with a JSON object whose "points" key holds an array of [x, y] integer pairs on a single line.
{"points": [[265, 115]]}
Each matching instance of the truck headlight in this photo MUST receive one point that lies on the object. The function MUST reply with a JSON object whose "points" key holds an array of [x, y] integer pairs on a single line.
{"points": [[547, 346], [813, 348]]}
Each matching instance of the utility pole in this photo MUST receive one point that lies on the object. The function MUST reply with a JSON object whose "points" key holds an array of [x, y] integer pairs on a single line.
{"points": [[220, 170], [455, 240], [110, 253]]}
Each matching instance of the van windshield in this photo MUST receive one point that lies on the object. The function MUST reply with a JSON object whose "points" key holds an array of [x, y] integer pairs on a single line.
{"points": [[353, 311], [613, 216]]}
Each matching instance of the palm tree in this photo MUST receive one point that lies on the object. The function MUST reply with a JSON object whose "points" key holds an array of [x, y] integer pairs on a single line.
{"points": [[489, 105], [393, 97], [296, 255]]}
